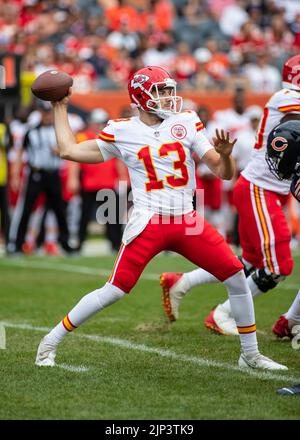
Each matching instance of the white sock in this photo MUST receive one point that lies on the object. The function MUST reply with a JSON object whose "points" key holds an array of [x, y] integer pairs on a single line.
{"points": [[293, 314], [88, 305], [243, 311], [254, 292], [253, 287], [198, 276]]}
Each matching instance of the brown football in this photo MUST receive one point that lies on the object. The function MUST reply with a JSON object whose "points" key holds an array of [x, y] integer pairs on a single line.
{"points": [[52, 85]]}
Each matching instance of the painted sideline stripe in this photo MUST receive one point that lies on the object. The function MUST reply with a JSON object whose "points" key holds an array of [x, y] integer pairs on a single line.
{"points": [[199, 361], [92, 271]]}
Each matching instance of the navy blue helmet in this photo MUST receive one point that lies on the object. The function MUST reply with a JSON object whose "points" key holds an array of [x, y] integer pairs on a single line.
{"points": [[283, 149]]}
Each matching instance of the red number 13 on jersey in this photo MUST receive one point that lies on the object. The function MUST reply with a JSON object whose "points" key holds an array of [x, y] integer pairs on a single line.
{"points": [[145, 155]]}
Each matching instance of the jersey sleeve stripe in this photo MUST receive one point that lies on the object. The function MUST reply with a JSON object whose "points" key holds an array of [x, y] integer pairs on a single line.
{"points": [[106, 136], [199, 126], [289, 108]]}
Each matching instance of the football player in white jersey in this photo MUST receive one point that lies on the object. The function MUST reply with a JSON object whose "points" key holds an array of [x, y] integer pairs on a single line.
{"points": [[157, 148], [283, 158], [259, 198]]}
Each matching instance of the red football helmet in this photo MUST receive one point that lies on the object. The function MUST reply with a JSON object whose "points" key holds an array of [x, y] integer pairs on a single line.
{"points": [[144, 82], [291, 73]]}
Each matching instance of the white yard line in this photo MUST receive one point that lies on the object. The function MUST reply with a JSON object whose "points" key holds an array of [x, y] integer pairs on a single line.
{"points": [[73, 368], [196, 360], [92, 271]]}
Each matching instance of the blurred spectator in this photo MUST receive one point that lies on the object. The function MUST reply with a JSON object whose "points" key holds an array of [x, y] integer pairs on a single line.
{"points": [[278, 38], [217, 65], [185, 65], [188, 26], [232, 120], [159, 51], [233, 17], [120, 12], [248, 40], [124, 39], [236, 78], [120, 69], [203, 81], [46, 59], [295, 27], [246, 138], [207, 181], [82, 72], [242, 152], [263, 77], [290, 7]]}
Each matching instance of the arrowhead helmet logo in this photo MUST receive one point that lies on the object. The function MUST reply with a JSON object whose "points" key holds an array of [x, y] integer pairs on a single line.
{"points": [[138, 80]]}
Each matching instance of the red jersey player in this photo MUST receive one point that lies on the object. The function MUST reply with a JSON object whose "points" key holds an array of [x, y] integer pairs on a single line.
{"points": [[259, 198], [157, 148]]}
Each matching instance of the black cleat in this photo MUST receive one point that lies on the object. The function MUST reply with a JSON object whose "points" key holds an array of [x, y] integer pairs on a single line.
{"points": [[289, 391]]}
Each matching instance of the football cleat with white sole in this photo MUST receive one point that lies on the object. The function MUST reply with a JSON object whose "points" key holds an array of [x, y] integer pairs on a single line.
{"points": [[259, 361], [220, 321], [173, 293], [46, 353]]}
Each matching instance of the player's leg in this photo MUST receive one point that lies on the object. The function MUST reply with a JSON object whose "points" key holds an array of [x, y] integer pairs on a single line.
{"points": [[129, 264], [209, 250], [176, 286], [288, 324], [265, 240]]}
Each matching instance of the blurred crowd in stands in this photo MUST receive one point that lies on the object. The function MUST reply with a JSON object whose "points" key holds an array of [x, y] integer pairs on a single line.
{"points": [[206, 44]]}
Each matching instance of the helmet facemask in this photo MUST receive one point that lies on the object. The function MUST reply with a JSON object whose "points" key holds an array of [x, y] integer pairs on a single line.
{"points": [[274, 164], [156, 101]]}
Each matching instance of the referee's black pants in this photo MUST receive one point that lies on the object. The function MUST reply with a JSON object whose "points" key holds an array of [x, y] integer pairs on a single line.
{"points": [[113, 230], [49, 183]]}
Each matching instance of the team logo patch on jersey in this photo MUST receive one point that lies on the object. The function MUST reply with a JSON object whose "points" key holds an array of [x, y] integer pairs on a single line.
{"points": [[279, 143], [139, 80], [178, 131]]}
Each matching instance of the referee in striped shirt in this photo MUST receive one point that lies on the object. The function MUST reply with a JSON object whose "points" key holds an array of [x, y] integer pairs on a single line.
{"points": [[43, 176]]}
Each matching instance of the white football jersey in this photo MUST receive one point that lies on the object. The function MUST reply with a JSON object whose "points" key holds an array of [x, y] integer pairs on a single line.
{"points": [[257, 171], [159, 161]]}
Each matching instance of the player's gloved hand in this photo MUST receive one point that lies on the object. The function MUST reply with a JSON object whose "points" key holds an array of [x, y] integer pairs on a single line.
{"points": [[295, 186]]}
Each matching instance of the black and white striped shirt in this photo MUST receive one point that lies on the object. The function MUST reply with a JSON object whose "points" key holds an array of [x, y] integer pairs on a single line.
{"points": [[40, 144]]}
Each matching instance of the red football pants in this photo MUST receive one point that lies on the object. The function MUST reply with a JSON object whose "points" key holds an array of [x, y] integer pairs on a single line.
{"points": [[263, 229], [206, 249]]}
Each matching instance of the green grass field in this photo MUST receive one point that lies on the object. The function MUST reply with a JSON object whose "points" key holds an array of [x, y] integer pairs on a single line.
{"points": [[128, 362]]}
